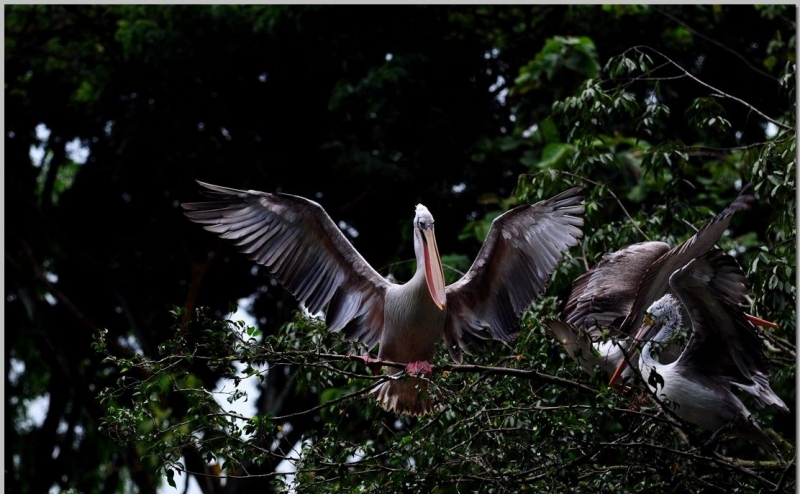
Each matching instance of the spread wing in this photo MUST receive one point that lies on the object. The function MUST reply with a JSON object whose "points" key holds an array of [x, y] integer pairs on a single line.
{"points": [[655, 282], [513, 267], [602, 297], [307, 253], [723, 343]]}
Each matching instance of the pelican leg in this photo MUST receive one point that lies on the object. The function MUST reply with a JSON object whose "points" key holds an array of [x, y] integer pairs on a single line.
{"points": [[419, 367], [372, 364]]}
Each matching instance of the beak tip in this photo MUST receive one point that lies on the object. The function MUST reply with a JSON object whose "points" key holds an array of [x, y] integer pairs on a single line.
{"points": [[761, 322], [617, 373]]}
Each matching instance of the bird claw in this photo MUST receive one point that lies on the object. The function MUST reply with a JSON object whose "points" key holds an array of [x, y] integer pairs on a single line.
{"points": [[372, 364], [419, 367]]}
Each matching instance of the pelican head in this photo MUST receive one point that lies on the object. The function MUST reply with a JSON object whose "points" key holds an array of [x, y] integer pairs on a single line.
{"points": [[662, 320], [428, 255], [665, 311]]}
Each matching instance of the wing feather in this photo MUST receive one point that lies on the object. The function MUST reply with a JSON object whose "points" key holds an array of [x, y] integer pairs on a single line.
{"points": [[295, 239], [513, 267], [602, 296], [655, 282]]}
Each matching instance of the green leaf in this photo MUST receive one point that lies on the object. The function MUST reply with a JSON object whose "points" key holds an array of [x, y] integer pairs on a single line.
{"points": [[553, 155]]}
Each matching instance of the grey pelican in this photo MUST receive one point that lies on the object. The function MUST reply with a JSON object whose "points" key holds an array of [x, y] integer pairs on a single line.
{"points": [[607, 302], [723, 352], [308, 254]]}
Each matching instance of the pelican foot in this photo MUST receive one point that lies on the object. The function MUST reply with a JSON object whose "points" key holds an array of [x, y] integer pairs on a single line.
{"points": [[372, 364], [419, 367]]}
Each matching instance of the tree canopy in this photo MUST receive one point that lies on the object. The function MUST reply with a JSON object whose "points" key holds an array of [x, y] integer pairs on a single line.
{"points": [[118, 309]]}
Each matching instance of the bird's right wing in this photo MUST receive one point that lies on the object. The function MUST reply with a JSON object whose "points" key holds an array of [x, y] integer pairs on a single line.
{"points": [[302, 247], [602, 297]]}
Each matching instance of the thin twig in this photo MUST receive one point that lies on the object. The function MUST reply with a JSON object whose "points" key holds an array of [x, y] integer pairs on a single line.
{"points": [[718, 92], [360, 392], [782, 479], [717, 43], [718, 459]]}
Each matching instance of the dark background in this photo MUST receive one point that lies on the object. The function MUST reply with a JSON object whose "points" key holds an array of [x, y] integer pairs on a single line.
{"points": [[368, 110]]}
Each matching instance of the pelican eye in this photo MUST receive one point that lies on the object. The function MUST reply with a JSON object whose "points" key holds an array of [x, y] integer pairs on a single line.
{"points": [[648, 319]]}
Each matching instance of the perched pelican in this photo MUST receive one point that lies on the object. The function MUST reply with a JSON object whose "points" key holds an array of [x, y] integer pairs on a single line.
{"points": [[606, 302], [723, 351], [308, 254]]}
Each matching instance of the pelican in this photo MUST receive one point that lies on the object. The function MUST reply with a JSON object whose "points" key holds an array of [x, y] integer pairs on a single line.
{"points": [[606, 302], [723, 351], [308, 254]]}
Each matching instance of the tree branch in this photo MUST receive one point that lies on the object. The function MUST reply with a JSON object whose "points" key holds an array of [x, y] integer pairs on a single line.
{"points": [[718, 92], [716, 43], [462, 368]]}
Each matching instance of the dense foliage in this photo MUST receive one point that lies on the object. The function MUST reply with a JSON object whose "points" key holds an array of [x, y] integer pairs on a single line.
{"points": [[118, 308]]}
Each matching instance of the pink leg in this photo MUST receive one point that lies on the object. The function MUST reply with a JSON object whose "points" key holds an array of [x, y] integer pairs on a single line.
{"points": [[419, 367]]}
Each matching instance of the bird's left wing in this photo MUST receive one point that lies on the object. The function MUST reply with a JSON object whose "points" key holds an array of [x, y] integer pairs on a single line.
{"points": [[723, 343], [513, 267], [302, 247]]}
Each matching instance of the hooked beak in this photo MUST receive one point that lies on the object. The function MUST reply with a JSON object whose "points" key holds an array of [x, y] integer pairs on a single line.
{"points": [[434, 275], [761, 322], [623, 364]]}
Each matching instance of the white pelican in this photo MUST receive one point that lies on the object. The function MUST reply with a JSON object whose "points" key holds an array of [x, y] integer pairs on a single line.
{"points": [[308, 254], [607, 302], [723, 352]]}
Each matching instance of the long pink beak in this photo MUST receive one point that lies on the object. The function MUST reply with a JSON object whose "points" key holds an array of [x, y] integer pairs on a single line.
{"points": [[621, 367], [434, 274], [624, 362]]}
